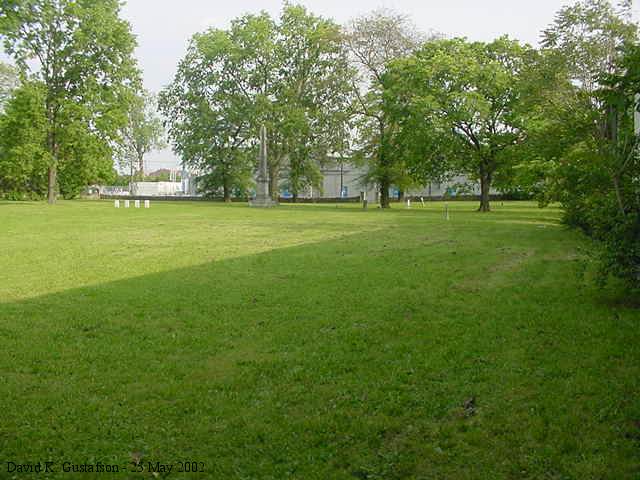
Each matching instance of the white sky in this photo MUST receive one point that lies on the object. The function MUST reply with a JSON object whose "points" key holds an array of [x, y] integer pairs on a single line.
{"points": [[163, 27]]}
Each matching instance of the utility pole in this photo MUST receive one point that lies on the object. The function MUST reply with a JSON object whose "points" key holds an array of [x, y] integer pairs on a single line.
{"points": [[131, 179], [341, 176], [636, 114]]}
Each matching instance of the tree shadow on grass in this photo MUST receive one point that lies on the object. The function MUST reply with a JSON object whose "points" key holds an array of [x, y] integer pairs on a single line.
{"points": [[339, 359]]}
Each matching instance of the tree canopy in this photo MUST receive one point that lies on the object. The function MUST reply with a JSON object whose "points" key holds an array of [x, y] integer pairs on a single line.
{"points": [[290, 75], [373, 42], [456, 103], [81, 52], [8, 82], [142, 133]]}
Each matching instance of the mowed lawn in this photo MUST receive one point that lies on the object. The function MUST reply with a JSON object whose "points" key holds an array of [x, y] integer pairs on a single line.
{"points": [[312, 342]]}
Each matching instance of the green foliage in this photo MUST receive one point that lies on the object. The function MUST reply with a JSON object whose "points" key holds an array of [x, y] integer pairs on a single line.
{"points": [[618, 224], [564, 111], [83, 157], [619, 249], [582, 150], [119, 180], [315, 86], [23, 154], [205, 117], [82, 53], [588, 35], [8, 82], [556, 117], [142, 133], [373, 41], [457, 107], [290, 75]]}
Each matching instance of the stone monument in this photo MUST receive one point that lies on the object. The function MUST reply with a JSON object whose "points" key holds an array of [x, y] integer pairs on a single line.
{"points": [[263, 199]]}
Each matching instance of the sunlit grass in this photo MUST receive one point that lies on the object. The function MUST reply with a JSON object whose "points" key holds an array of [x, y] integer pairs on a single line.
{"points": [[312, 341]]}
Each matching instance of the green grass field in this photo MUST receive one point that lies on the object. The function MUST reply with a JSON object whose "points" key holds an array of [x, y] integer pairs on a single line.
{"points": [[312, 342]]}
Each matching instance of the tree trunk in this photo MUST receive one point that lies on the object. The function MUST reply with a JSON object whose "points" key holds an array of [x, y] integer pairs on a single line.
{"points": [[382, 160], [53, 150], [616, 188], [294, 197], [51, 193], [485, 189], [141, 166], [273, 183], [226, 192], [384, 194], [131, 179]]}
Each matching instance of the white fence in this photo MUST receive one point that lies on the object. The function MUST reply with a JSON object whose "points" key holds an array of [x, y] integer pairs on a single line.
{"points": [[149, 189]]}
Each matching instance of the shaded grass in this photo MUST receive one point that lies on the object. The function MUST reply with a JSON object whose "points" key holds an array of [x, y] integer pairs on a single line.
{"points": [[312, 342]]}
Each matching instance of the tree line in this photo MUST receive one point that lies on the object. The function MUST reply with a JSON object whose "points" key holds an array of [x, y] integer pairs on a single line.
{"points": [[73, 103], [554, 123]]}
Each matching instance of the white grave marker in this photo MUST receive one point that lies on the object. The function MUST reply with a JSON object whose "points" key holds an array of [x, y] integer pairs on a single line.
{"points": [[116, 204], [137, 203], [126, 204], [147, 204]]}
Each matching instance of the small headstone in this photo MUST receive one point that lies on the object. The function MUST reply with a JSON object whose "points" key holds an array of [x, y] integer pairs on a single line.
{"points": [[408, 203], [422, 201], [117, 204], [147, 204], [137, 203], [126, 204]]}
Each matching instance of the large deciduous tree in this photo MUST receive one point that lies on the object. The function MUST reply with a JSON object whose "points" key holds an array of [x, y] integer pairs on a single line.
{"points": [[461, 100], [8, 82], [572, 118], [589, 34], [593, 168], [143, 133], [581, 148], [82, 54], [581, 47], [290, 75], [615, 215], [373, 41], [209, 120], [23, 154], [314, 94], [25, 158]]}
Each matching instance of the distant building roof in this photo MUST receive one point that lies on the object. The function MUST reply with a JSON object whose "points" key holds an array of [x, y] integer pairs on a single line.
{"points": [[160, 172]]}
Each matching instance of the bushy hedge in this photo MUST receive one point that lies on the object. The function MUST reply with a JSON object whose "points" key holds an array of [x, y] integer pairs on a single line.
{"points": [[619, 253]]}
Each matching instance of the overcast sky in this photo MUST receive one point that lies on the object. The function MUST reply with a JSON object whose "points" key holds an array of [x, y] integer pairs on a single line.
{"points": [[163, 27]]}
